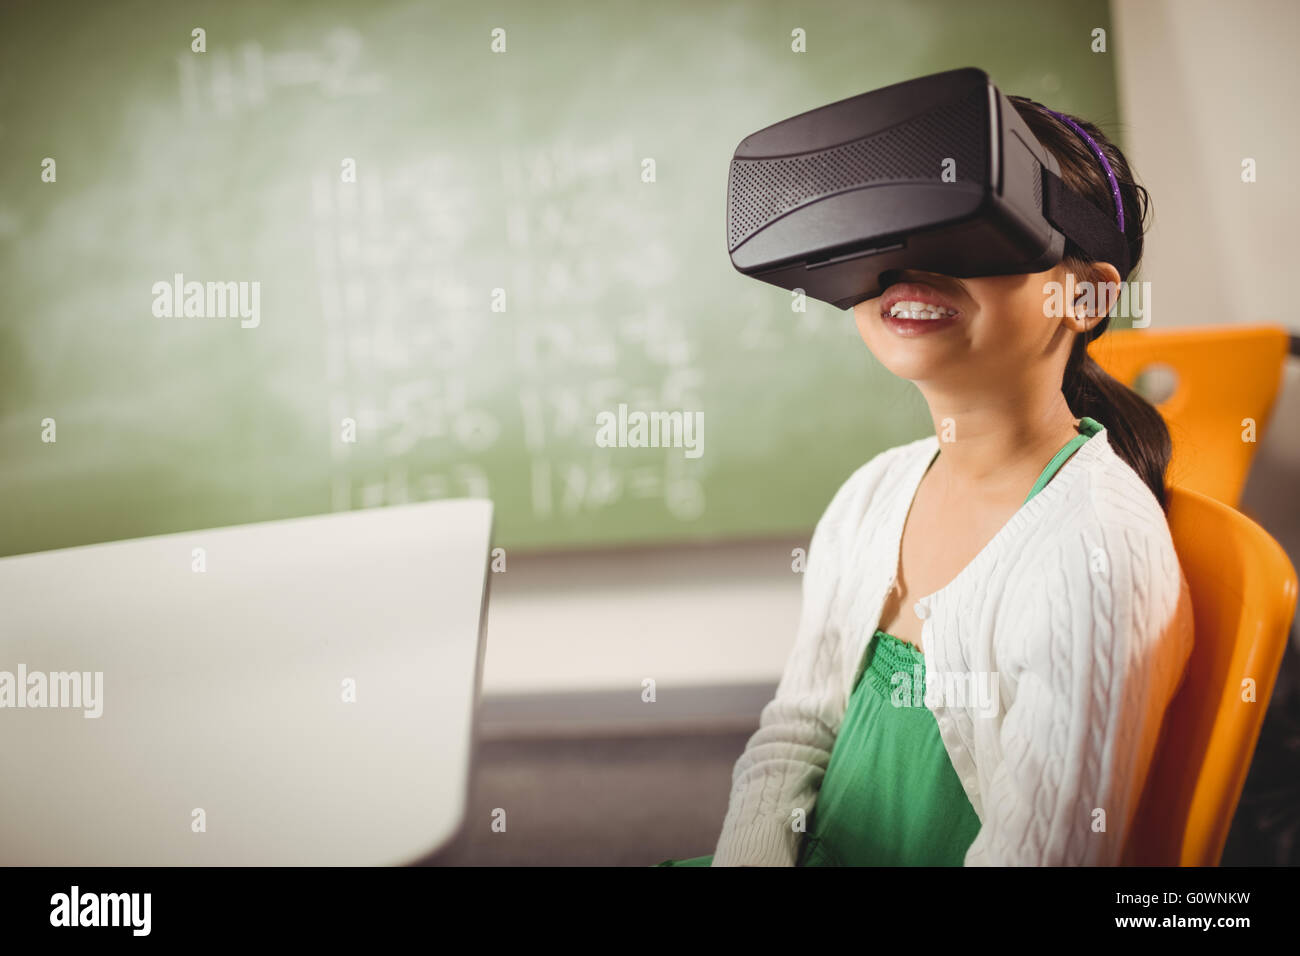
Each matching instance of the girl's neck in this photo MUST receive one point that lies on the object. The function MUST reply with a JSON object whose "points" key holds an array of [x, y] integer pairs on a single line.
{"points": [[993, 446]]}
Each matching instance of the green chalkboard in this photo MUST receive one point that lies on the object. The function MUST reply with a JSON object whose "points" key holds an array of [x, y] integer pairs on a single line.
{"points": [[461, 258]]}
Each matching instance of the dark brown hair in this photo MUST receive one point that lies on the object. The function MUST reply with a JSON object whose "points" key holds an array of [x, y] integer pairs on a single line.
{"points": [[1136, 430]]}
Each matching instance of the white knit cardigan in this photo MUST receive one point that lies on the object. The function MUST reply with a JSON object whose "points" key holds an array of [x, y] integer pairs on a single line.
{"points": [[1075, 619]]}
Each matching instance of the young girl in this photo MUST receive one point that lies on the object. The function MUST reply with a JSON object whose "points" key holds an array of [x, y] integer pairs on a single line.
{"points": [[994, 618]]}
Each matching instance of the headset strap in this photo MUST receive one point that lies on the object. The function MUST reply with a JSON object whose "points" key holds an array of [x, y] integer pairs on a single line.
{"points": [[1087, 226]]}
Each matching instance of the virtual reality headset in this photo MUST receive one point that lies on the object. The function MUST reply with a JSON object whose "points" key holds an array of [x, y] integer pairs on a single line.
{"points": [[938, 174]]}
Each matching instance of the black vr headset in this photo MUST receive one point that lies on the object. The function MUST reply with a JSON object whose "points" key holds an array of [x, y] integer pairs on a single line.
{"points": [[938, 174]]}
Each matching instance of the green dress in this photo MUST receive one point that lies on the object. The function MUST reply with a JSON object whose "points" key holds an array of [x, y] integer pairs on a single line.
{"points": [[890, 795]]}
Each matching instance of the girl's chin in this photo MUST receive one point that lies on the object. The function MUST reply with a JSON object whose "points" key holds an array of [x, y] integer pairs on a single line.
{"points": [[915, 367]]}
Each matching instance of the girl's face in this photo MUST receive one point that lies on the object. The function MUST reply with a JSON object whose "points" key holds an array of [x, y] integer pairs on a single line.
{"points": [[965, 331]]}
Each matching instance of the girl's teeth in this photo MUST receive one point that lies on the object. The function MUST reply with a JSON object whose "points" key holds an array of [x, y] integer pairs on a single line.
{"points": [[919, 310]]}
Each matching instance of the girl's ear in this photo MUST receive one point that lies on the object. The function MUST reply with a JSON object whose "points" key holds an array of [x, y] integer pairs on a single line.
{"points": [[1108, 282], [1096, 293]]}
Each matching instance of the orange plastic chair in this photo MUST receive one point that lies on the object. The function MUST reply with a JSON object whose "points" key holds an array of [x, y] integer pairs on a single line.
{"points": [[1225, 374], [1243, 591]]}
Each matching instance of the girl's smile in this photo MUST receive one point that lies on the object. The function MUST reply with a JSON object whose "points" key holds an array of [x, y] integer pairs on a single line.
{"points": [[917, 308]]}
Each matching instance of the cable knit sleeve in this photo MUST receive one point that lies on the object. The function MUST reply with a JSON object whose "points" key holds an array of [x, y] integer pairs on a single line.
{"points": [[1101, 637], [781, 768]]}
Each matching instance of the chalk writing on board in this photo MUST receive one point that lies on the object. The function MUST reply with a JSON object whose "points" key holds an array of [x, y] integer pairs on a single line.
{"points": [[575, 487], [399, 354], [399, 485], [249, 77], [436, 382]]}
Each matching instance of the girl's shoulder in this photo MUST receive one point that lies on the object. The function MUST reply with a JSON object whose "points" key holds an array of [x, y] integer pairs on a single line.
{"points": [[1110, 496], [1103, 533]]}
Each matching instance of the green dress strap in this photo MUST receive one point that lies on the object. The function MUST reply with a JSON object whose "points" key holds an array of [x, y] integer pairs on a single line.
{"points": [[1087, 428]]}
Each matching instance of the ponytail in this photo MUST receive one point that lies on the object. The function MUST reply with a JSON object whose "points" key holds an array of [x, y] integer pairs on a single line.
{"points": [[1136, 430]]}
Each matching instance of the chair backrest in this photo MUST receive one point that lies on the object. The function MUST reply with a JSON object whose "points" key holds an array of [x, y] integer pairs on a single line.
{"points": [[1243, 591], [1225, 375]]}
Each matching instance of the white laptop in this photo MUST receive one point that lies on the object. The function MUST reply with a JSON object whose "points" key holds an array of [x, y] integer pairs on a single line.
{"points": [[298, 692]]}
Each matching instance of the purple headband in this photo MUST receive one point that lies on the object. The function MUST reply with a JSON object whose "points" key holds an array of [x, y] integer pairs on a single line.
{"points": [[1110, 174]]}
